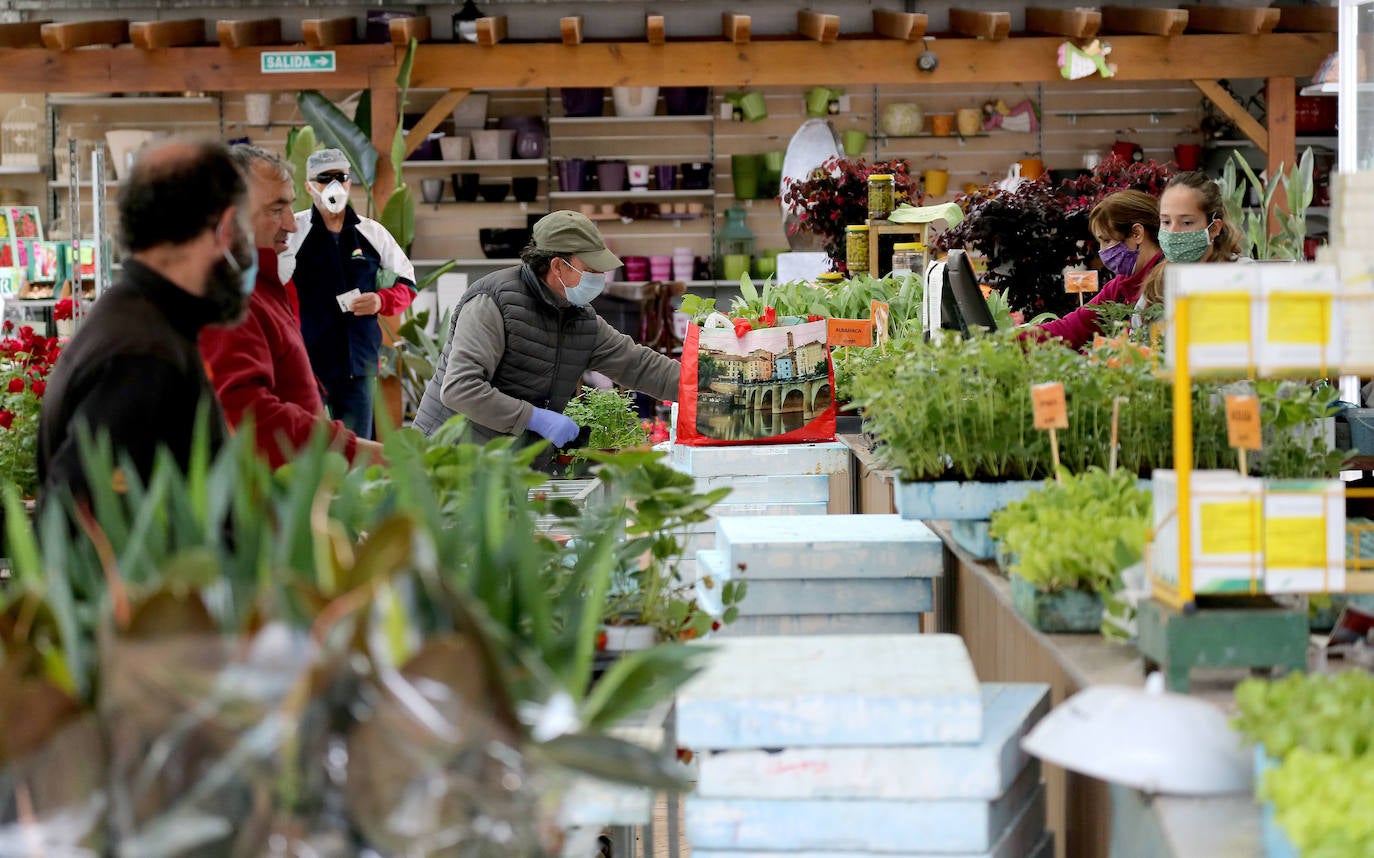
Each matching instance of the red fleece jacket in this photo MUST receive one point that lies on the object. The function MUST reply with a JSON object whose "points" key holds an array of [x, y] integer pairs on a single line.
{"points": [[1077, 328], [260, 367]]}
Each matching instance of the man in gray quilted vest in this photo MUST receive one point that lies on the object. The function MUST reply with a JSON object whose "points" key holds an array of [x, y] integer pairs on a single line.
{"points": [[522, 337]]}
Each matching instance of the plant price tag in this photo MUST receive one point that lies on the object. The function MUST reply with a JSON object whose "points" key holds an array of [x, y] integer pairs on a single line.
{"points": [[881, 312], [1080, 282], [1049, 406], [1243, 422], [849, 332]]}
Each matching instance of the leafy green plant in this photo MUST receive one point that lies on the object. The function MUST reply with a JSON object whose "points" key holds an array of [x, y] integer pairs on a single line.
{"points": [[615, 425], [1321, 802], [1295, 447], [1318, 713], [1254, 223]]}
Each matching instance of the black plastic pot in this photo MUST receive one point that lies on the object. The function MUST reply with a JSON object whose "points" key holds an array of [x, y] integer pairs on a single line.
{"points": [[583, 100], [465, 186], [695, 176], [686, 100]]}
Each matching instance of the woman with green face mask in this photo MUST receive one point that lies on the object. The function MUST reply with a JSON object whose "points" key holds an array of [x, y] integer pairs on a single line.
{"points": [[1192, 227]]}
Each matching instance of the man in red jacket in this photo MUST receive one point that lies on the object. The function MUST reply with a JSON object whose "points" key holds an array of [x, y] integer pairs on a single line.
{"points": [[260, 366]]}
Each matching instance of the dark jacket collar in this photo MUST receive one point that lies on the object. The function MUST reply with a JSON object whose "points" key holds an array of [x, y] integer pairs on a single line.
{"points": [[349, 223], [545, 294], [185, 312]]}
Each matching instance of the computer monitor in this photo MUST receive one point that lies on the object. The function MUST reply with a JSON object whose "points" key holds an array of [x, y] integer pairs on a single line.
{"points": [[953, 298]]}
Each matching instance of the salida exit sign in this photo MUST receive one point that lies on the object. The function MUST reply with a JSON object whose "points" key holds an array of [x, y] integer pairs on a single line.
{"points": [[299, 62]]}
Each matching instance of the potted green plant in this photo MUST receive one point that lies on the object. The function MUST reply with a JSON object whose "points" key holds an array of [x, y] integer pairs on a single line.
{"points": [[611, 422], [1257, 239], [1071, 539]]}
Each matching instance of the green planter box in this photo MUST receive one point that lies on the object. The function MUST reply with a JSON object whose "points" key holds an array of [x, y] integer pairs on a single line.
{"points": [[1062, 611]]}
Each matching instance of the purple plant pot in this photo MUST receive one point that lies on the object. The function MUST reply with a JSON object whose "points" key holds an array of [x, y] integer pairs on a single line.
{"points": [[529, 143], [610, 175], [572, 174], [686, 100], [583, 100], [665, 175]]}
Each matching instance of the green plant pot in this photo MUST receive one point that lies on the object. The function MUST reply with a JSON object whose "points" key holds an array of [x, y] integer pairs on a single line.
{"points": [[734, 266], [1057, 612], [744, 170], [754, 106], [854, 142]]}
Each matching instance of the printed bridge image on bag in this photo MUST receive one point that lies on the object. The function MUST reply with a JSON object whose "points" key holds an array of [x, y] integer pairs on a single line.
{"points": [[771, 389]]}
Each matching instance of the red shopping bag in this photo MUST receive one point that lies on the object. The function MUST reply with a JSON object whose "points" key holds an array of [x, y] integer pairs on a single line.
{"points": [[770, 386]]}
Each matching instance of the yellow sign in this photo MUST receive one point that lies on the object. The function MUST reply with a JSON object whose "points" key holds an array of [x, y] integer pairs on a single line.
{"points": [[849, 332], [1049, 406], [1228, 527], [1300, 318], [1295, 543], [1219, 319], [1243, 422]]}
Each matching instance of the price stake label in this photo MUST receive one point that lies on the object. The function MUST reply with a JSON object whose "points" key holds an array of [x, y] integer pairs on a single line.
{"points": [[1243, 422], [881, 312], [1080, 282], [849, 332], [1049, 406]]}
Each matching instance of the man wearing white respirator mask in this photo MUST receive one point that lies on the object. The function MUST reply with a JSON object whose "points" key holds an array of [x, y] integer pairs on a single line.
{"points": [[348, 270], [521, 339]]}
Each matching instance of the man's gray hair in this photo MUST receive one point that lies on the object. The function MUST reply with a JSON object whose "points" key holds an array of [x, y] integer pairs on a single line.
{"points": [[248, 157]]}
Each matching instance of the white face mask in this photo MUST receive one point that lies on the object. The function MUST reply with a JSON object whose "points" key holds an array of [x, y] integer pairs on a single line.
{"points": [[333, 198]]}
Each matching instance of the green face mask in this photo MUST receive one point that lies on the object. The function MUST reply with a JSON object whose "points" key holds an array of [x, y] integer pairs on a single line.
{"points": [[1188, 246]]}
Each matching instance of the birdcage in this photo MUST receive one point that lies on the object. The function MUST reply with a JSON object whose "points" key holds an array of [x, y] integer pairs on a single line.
{"points": [[20, 133]]}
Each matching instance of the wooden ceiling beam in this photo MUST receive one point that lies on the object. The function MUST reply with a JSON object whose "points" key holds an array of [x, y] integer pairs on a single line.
{"points": [[436, 114], [403, 30], [1144, 22], [491, 30], [993, 26], [1236, 112], [818, 26], [654, 30], [25, 35], [157, 35], [1070, 23], [328, 32], [1226, 19], [571, 28], [70, 35], [1308, 19], [735, 28], [248, 33], [903, 26]]}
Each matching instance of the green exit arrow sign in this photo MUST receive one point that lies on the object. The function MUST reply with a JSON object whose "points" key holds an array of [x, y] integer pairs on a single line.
{"points": [[298, 62]]}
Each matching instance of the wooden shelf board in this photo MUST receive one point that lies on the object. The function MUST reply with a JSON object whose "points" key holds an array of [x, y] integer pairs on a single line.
{"points": [[647, 196], [586, 120], [21, 171], [129, 101], [471, 162]]}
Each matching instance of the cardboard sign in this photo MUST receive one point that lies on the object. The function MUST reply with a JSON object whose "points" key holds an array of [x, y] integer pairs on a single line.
{"points": [[881, 312], [849, 332], [1050, 408], [1080, 281], [1243, 422]]}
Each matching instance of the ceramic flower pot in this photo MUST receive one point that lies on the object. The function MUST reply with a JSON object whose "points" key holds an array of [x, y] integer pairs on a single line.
{"points": [[744, 170], [902, 119], [610, 175], [572, 174], [455, 148], [754, 106], [854, 142], [969, 120], [936, 182], [665, 176], [431, 190], [258, 107], [635, 101], [942, 124], [696, 176], [492, 145]]}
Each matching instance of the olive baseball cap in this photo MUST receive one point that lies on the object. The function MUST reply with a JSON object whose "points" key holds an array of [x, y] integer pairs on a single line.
{"points": [[572, 232]]}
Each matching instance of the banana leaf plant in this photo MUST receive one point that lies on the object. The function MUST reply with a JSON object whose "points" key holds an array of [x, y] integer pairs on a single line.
{"points": [[1256, 237]]}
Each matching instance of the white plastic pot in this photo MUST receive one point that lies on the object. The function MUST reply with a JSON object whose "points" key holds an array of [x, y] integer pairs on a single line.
{"points": [[492, 145], [636, 101], [258, 107], [455, 148], [471, 112]]}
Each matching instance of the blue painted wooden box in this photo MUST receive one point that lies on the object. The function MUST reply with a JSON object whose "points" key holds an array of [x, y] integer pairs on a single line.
{"points": [[1057, 612]]}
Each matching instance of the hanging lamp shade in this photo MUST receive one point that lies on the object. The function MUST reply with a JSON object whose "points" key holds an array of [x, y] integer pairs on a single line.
{"points": [[20, 135]]}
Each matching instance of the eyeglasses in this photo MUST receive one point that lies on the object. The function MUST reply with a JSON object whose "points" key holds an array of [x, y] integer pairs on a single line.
{"points": [[326, 178]]}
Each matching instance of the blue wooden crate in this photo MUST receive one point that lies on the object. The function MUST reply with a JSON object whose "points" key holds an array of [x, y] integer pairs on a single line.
{"points": [[972, 536], [822, 624], [831, 546], [790, 488], [837, 596], [1058, 612], [943, 500]]}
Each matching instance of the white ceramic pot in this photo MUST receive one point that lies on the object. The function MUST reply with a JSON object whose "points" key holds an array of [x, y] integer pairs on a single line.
{"points": [[258, 107], [630, 638], [638, 101], [455, 148], [639, 176], [492, 145], [471, 112]]}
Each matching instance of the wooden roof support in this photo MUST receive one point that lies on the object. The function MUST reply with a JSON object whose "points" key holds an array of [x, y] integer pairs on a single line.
{"points": [[249, 33], [405, 29], [735, 28], [1145, 22], [572, 29], [1070, 23], [1281, 106], [435, 115], [1232, 109], [70, 35], [1308, 19], [993, 26], [155, 35], [654, 29], [1219, 19], [905, 26], [328, 32], [491, 30], [25, 35], [818, 26]]}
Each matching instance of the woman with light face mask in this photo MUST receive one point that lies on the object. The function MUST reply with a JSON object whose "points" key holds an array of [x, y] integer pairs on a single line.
{"points": [[1192, 227], [1126, 226]]}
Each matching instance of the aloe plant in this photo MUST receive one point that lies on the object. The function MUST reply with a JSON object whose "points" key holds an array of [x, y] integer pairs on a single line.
{"points": [[1257, 240]]}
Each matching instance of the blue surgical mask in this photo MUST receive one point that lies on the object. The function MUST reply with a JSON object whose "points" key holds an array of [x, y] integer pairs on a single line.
{"points": [[248, 277], [591, 284]]}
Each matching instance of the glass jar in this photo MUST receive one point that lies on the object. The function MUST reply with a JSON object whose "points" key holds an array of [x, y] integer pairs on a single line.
{"points": [[881, 198], [856, 248], [909, 258]]}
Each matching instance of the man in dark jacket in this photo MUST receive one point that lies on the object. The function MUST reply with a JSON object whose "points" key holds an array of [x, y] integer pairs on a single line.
{"points": [[522, 338], [260, 366], [133, 370], [335, 259]]}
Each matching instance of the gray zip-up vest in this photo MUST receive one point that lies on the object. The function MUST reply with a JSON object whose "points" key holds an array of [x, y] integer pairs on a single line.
{"points": [[547, 348]]}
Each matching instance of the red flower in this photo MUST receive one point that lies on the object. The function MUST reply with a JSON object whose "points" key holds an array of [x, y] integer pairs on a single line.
{"points": [[7, 327], [742, 327], [6, 419], [814, 318], [16, 385], [9, 345], [62, 309], [39, 387], [26, 335], [769, 317]]}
